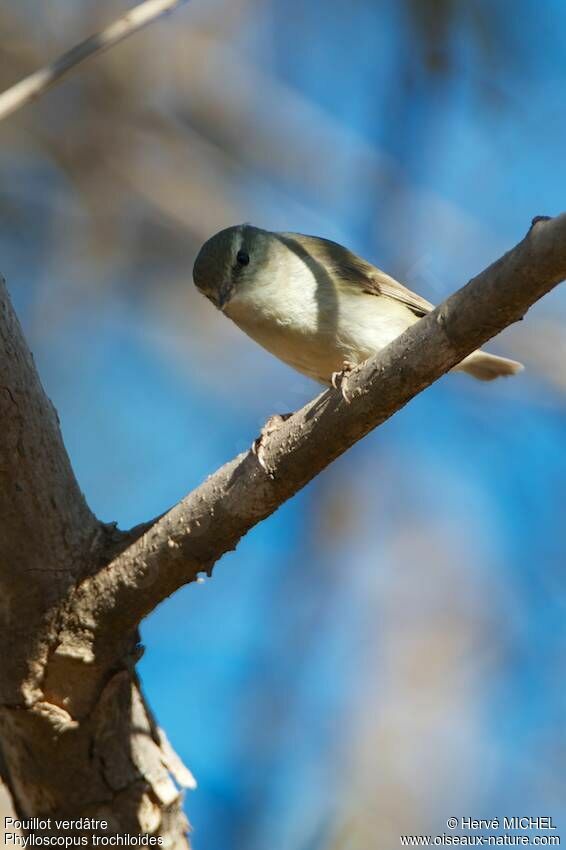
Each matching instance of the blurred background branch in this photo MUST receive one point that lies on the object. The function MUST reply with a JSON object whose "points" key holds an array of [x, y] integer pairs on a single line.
{"points": [[40, 81]]}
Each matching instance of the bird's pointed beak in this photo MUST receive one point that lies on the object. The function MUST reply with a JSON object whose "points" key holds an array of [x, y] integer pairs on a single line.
{"points": [[225, 293]]}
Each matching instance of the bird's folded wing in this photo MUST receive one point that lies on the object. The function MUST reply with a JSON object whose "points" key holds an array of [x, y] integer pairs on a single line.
{"points": [[356, 271], [381, 284]]}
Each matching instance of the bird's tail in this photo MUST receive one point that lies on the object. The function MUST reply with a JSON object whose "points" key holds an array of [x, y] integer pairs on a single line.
{"points": [[487, 367]]}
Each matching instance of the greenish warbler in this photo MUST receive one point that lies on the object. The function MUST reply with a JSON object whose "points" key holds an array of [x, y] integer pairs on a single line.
{"points": [[313, 303]]}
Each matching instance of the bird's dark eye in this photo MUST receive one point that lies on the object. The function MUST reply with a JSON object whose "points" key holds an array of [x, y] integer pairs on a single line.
{"points": [[243, 258]]}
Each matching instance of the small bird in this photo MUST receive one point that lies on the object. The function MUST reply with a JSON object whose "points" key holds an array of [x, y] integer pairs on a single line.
{"points": [[313, 303]]}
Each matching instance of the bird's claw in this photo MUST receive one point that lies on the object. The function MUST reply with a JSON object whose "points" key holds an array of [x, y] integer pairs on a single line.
{"points": [[337, 379], [273, 423]]}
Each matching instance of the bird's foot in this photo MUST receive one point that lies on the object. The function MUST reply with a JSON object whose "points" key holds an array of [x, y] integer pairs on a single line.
{"points": [[337, 379], [273, 423]]}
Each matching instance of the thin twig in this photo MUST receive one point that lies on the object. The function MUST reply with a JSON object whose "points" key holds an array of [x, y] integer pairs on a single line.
{"points": [[37, 83]]}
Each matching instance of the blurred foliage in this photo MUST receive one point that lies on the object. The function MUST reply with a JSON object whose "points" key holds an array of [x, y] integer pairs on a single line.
{"points": [[155, 144]]}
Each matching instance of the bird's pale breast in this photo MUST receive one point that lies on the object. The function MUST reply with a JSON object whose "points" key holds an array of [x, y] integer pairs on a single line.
{"points": [[313, 326]]}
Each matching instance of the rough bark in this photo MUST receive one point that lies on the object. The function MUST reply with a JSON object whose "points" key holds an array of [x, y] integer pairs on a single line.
{"points": [[77, 738]]}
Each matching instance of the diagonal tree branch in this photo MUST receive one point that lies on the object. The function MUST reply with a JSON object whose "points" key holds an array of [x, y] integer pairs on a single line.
{"points": [[37, 83], [212, 519]]}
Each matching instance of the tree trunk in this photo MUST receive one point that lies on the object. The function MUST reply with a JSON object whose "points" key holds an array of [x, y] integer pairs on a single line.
{"points": [[77, 738]]}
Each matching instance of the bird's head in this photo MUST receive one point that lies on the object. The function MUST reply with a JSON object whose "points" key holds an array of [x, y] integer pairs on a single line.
{"points": [[229, 261]]}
